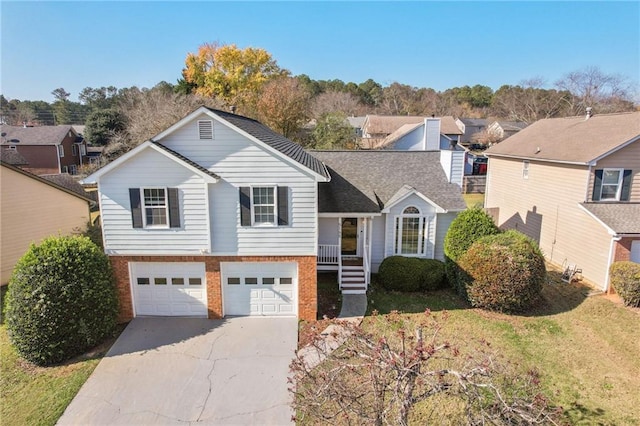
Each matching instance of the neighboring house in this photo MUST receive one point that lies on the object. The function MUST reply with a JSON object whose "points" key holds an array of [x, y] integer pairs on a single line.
{"points": [[376, 129], [573, 185], [94, 154], [429, 135], [357, 123], [33, 208], [504, 129], [469, 127], [47, 149], [218, 215]]}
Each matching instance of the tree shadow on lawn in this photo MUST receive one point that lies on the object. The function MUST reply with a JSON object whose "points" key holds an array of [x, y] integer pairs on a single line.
{"points": [[558, 296]]}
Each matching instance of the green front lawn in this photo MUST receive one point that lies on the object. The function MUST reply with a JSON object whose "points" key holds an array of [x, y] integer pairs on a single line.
{"points": [[474, 200], [586, 348], [33, 395]]}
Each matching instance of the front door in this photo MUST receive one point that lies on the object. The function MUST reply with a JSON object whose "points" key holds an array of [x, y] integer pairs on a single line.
{"points": [[349, 242]]}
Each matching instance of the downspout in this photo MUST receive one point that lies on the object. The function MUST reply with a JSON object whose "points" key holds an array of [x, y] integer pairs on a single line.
{"points": [[614, 240], [58, 157]]}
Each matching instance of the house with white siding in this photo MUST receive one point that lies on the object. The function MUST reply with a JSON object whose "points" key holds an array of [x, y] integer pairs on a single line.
{"points": [[218, 215], [573, 185]]}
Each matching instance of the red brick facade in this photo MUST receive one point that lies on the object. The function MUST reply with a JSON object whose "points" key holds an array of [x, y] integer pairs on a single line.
{"points": [[623, 250], [307, 280]]}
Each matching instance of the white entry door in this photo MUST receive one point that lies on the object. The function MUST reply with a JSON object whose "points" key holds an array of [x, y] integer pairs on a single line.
{"points": [[635, 251], [260, 288], [169, 289]]}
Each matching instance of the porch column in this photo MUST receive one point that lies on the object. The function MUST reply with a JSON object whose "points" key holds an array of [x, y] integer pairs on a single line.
{"points": [[340, 252]]}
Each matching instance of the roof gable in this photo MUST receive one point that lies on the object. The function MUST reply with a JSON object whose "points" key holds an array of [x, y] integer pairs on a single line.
{"points": [[40, 135], [387, 124], [405, 192], [183, 161], [260, 134], [571, 140]]}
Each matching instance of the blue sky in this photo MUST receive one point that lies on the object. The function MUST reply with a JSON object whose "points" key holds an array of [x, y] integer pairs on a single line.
{"points": [[73, 45]]}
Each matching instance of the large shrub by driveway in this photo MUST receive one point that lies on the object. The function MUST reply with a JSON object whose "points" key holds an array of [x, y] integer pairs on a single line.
{"points": [[503, 272], [61, 300]]}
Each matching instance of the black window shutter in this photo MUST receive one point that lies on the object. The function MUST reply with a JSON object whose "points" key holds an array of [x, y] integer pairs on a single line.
{"points": [[625, 194], [174, 208], [136, 209], [597, 186], [245, 206], [283, 205]]}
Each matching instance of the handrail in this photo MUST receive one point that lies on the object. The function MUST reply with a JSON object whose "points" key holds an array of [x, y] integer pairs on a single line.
{"points": [[328, 254], [366, 265]]}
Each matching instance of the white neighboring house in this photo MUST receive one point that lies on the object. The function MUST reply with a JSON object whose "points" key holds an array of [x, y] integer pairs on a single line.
{"points": [[219, 215]]}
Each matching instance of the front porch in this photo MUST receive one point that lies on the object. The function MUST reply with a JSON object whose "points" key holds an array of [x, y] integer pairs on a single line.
{"points": [[350, 257]]}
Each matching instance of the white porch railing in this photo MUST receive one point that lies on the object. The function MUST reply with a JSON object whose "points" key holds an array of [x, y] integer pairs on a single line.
{"points": [[366, 263], [328, 254]]}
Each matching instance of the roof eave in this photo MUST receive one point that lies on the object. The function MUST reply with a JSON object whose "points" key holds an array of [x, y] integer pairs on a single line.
{"points": [[547, 160]]}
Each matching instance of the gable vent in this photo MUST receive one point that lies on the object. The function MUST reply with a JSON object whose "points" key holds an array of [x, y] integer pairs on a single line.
{"points": [[205, 129]]}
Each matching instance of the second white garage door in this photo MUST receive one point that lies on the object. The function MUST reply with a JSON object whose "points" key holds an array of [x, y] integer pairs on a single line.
{"points": [[260, 288]]}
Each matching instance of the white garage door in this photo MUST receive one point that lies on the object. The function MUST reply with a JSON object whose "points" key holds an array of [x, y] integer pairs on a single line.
{"points": [[260, 288], [169, 289]]}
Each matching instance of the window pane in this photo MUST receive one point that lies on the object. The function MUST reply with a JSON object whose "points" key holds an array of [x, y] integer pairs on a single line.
{"points": [[154, 197], [609, 192], [160, 281], [143, 281], [611, 177], [268, 281], [156, 216], [411, 210], [233, 281], [251, 281], [286, 281], [410, 234], [195, 281], [264, 205], [177, 281]]}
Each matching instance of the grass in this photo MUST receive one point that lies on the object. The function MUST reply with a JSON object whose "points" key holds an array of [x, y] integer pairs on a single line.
{"points": [[33, 395], [473, 200], [585, 347]]}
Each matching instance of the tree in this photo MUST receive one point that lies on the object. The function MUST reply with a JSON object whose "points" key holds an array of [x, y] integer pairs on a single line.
{"points": [[101, 125], [332, 101], [528, 102], [370, 92], [590, 87], [333, 131], [283, 105], [99, 97], [379, 378], [229, 73], [61, 106]]}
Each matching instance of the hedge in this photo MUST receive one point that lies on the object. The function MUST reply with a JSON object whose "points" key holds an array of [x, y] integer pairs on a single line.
{"points": [[625, 279], [411, 274]]}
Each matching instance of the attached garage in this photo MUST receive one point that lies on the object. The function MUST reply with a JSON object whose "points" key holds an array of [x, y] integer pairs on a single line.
{"points": [[260, 288], [169, 289]]}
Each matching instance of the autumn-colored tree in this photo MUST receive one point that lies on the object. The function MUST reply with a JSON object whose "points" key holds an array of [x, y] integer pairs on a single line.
{"points": [[332, 101], [332, 131], [283, 105], [229, 73]]}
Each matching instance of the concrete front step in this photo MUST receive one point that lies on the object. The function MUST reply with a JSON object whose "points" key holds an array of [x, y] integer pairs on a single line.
{"points": [[355, 291]]}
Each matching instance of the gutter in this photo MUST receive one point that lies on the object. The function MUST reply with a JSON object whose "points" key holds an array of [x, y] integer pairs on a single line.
{"points": [[544, 160]]}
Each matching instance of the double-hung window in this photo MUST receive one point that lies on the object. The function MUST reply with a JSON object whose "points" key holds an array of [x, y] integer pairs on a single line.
{"points": [[410, 232], [612, 185], [263, 205], [155, 207], [60, 151]]}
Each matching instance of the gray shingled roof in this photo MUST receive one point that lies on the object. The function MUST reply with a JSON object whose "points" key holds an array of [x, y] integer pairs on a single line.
{"points": [[387, 124], [186, 160], [40, 135], [623, 218], [364, 181], [571, 139], [274, 140], [474, 121], [12, 156], [66, 181]]}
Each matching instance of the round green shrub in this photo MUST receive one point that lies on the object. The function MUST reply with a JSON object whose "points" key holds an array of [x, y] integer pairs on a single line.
{"points": [[410, 274], [433, 274], [465, 229], [503, 272], [61, 300], [625, 279]]}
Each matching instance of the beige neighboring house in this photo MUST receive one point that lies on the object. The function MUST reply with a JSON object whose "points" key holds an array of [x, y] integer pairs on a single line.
{"points": [[505, 129], [33, 208], [379, 131], [573, 185]]}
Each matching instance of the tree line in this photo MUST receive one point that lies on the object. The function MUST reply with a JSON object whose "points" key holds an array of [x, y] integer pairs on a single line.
{"points": [[309, 111]]}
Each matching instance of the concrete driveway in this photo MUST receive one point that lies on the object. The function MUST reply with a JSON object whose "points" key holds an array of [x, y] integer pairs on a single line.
{"points": [[177, 371]]}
